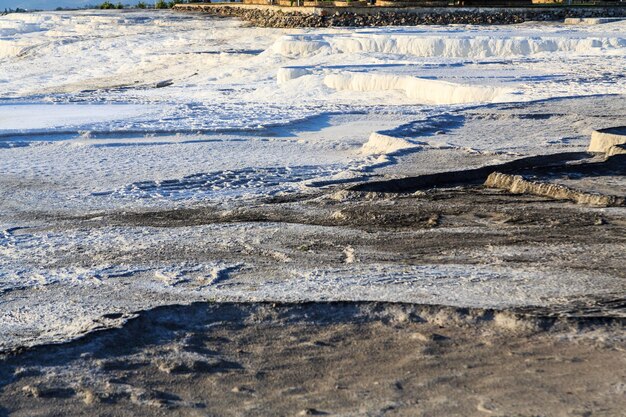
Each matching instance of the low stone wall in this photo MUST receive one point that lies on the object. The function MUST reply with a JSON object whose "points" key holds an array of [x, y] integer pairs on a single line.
{"points": [[292, 17]]}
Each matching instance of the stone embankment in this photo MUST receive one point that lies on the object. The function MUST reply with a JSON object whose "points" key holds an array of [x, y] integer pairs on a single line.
{"points": [[291, 17]]}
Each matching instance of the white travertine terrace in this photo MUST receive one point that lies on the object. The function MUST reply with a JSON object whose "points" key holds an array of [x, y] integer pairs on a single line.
{"points": [[603, 140], [452, 46]]}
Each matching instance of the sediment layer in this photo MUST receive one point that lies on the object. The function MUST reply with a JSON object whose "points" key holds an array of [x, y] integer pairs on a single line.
{"points": [[289, 17], [518, 185]]}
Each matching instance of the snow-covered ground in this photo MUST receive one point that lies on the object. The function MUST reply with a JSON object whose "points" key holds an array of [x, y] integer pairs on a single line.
{"points": [[112, 111]]}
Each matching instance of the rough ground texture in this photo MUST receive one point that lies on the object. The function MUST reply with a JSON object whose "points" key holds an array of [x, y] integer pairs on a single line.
{"points": [[465, 246], [553, 343], [564, 356], [211, 169], [293, 17], [348, 359]]}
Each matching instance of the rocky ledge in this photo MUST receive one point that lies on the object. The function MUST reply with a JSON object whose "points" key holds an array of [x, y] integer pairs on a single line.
{"points": [[292, 17]]}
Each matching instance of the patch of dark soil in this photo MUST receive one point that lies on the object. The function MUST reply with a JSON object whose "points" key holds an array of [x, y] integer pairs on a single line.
{"points": [[324, 358]]}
